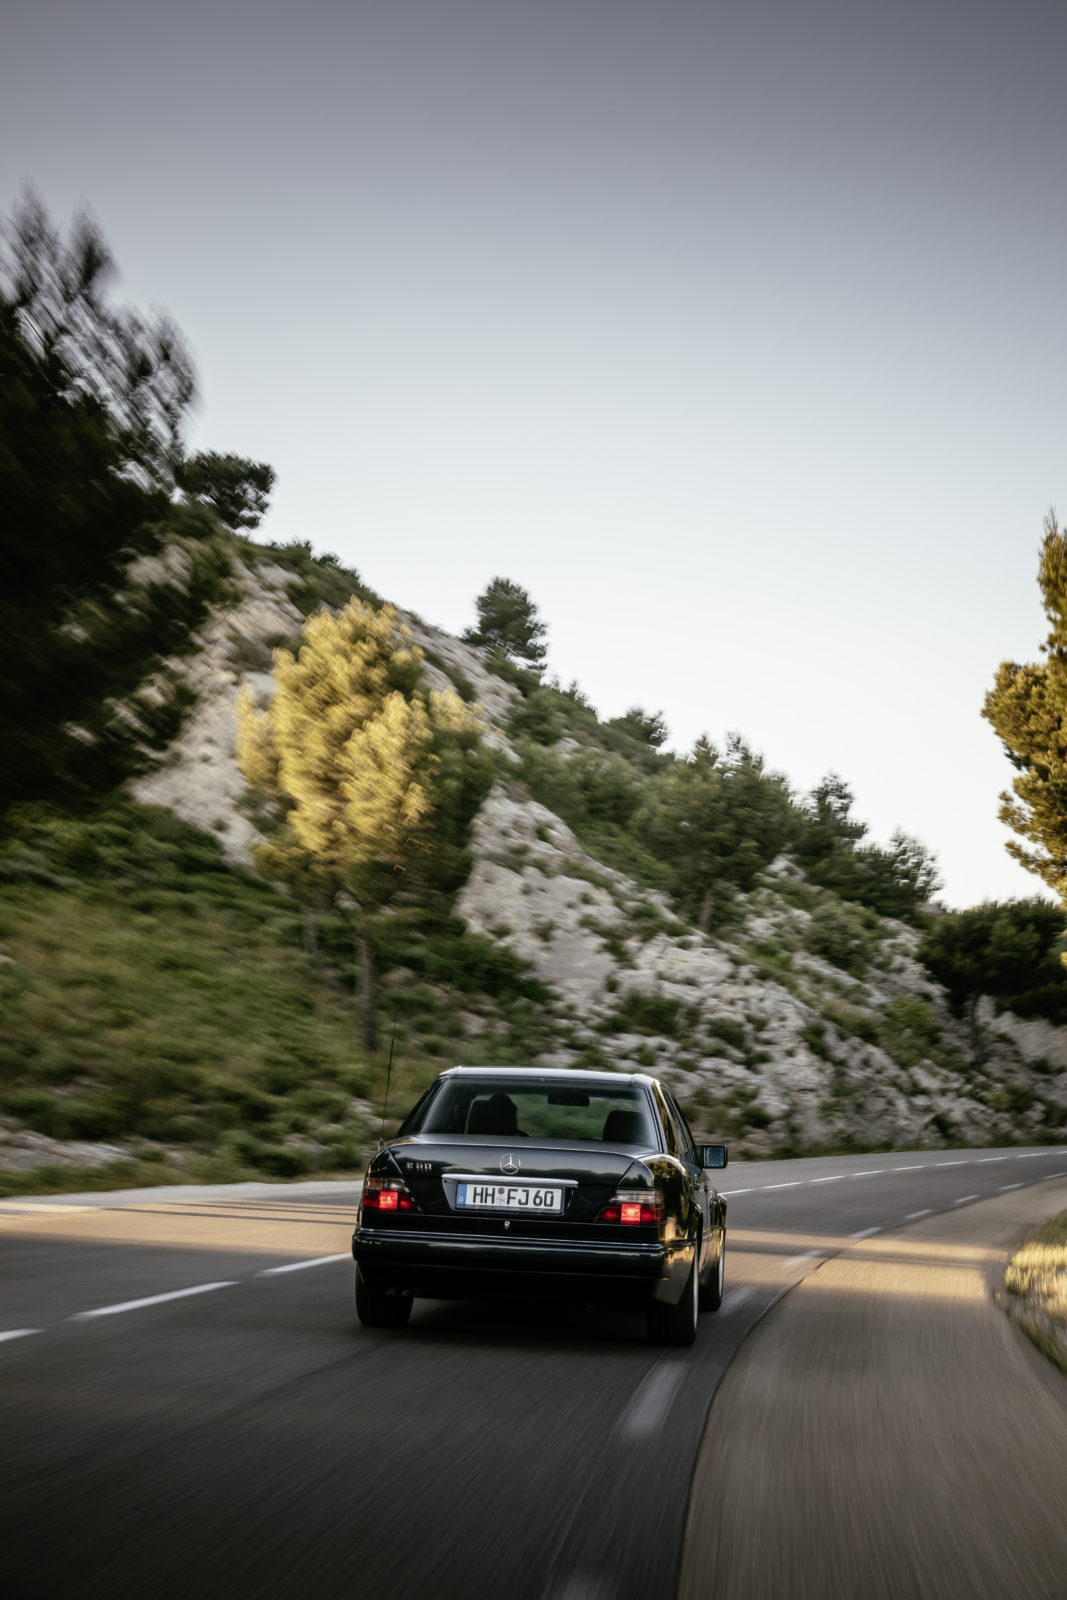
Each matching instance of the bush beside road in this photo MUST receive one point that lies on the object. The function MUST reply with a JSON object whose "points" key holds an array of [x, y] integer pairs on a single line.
{"points": [[1036, 1281]]}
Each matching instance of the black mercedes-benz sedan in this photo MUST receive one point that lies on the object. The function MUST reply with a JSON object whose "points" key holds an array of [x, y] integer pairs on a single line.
{"points": [[514, 1180]]}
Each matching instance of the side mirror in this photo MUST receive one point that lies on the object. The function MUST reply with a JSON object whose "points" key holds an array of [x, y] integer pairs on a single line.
{"points": [[713, 1155]]}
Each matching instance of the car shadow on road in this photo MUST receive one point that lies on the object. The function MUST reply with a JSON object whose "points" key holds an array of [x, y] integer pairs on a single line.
{"points": [[524, 1322]]}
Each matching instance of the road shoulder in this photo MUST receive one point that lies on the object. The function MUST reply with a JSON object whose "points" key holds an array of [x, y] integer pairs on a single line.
{"points": [[887, 1430]]}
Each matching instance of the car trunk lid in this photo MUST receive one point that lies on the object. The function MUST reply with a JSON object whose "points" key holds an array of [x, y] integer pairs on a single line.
{"points": [[434, 1168]]}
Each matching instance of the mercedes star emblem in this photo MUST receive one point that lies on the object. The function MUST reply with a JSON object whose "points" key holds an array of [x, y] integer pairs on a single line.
{"points": [[510, 1164]]}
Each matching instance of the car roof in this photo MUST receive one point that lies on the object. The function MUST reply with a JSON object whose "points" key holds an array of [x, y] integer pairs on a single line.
{"points": [[550, 1075]]}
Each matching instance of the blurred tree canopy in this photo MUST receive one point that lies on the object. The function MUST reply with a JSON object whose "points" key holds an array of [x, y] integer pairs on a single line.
{"points": [[131, 374], [895, 881], [831, 827], [647, 727], [102, 576], [509, 624], [717, 820], [1009, 950], [838, 932], [237, 488], [1027, 707], [367, 782]]}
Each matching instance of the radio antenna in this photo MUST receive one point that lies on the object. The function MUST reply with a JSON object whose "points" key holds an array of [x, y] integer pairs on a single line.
{"points": [[388, 1076]]}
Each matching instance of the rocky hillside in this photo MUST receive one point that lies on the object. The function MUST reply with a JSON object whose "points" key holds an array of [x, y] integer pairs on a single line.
{"points": [[164, 1019], [759, 1036], [765, 1039]]}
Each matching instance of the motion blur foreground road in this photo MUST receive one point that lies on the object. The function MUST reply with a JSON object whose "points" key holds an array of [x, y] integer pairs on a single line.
{"points": [[188, 1407]]}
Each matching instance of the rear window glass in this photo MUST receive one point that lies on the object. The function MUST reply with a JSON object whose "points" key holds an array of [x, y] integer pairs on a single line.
{"points": [[509, 1110]]}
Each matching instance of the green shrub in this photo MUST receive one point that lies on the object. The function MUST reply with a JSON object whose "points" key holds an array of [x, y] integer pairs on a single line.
{"points": [[538, 717], [795, 892], [729, 1031], [814, 1036], [838, 934], [319, 580], [408, 1002], [282, 1161], [437, 947], [772, 960], [909, 1030], [1016, 1097], [639, 1012], [1009, 950], [847, 1020]]}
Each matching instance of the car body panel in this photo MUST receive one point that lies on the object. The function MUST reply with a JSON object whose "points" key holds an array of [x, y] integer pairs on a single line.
{"points": [[441, 1250]]}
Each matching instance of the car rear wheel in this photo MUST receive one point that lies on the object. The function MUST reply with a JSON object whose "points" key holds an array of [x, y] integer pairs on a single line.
{"points": [[677, 1324], [380, 1308], [711, 1293]]}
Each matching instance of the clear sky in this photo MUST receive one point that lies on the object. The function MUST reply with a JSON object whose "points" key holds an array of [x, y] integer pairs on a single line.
{"points": [[737, 333]]}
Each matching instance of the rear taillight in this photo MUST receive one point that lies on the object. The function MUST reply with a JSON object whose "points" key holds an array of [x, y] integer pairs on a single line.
{"points": [[382, 1193], [632, 1207]]}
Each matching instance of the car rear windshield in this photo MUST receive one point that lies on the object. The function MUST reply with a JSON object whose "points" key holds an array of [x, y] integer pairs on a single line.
{"points": [[511, 1110]]}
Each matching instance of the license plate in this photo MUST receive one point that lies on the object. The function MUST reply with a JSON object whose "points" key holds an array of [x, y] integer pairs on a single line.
{"points": [[509, 1197]]}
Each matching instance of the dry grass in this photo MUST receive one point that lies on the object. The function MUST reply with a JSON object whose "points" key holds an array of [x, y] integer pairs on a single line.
{"points": [[1037, 1279]]}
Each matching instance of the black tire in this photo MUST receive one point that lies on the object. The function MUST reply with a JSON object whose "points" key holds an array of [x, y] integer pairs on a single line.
{"points": [[677, 1324], [711, 1293], [380, 1308]]}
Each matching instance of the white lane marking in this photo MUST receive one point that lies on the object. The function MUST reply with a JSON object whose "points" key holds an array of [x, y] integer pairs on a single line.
{"points": [[950, 1163], [652, 1399], [1033, 1155], [1049, 1175], [729, 1192], [921, 1167], [794, 1185], [298, 1266], [913, 1216], [864, 1233], [150, 1300], [736, 1297], [801, 1260], [1010, 1186], [835, 1179], [984, 1161], [871, 1172], [17, 1333], [963, 1199]]}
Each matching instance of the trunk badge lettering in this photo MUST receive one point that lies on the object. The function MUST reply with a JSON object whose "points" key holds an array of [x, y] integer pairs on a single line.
{"points": [[510, 1163]]}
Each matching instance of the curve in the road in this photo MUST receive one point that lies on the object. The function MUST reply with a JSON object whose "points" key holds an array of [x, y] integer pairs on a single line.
{"points": [[541, 1453], [889, 1432]]}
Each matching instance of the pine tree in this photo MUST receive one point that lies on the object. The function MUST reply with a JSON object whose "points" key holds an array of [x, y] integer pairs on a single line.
{"points": [[896, 881], [92, 400], [646, 727], [1007, 950], [1027, 707], [238, 489], [718, 821], [363, 777], [508, 622]]}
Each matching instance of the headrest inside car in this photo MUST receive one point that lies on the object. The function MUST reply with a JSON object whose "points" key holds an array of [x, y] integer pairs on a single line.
{"points": [[624, 1127]]}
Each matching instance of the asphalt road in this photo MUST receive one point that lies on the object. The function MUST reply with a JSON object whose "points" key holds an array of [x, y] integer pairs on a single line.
{"points": [[187, 1405]]}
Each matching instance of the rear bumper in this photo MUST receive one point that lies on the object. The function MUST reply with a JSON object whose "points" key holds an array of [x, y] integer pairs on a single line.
{"points": [[462, 1266]]}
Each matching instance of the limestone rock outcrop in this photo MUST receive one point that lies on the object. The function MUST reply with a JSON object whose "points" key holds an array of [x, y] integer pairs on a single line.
{"points": [[753, 1028], [199, 778], [802, 1058]]}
